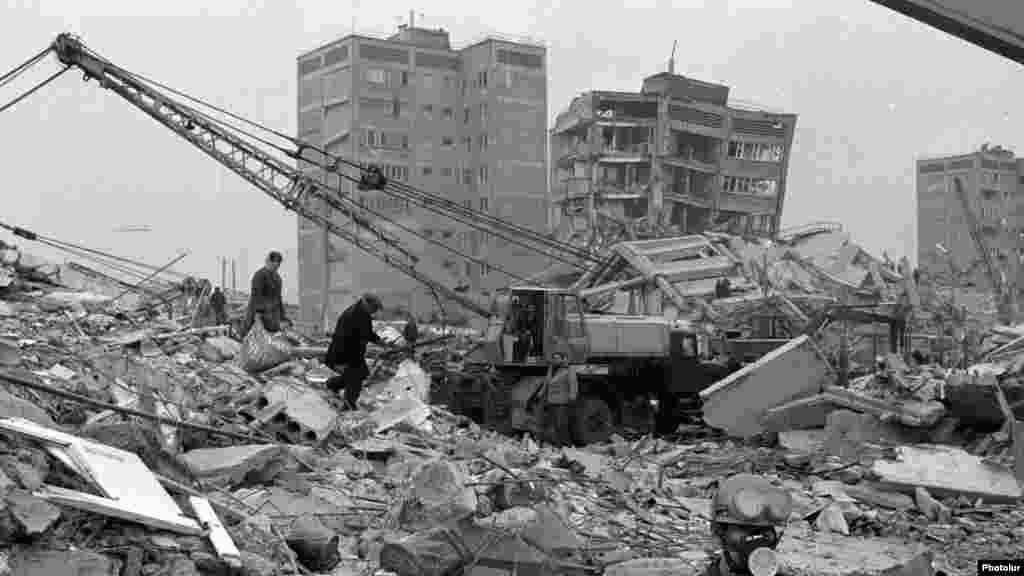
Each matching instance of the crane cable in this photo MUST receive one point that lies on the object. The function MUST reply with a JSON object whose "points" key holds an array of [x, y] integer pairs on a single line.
{"points": [[21, 68], [34, 89], [356, 206], [540, 238]]}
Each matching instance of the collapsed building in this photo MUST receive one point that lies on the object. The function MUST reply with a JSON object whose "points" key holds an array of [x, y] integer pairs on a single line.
{"points": [[677, 156]]}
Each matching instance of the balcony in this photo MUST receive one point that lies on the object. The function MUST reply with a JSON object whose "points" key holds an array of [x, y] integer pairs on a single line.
{"points": [[631, 151], [690, 161], [747, 203]]}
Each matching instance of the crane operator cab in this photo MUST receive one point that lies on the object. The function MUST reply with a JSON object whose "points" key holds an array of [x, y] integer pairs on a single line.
{"points": [[540, 326]]}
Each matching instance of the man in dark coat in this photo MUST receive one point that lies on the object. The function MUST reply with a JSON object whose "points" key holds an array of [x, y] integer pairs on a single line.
{"points": [[218, 304], [347, 352], [265, 296]]}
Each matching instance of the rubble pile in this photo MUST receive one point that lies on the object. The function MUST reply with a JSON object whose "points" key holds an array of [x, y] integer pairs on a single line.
{"points": [[137, 446]]}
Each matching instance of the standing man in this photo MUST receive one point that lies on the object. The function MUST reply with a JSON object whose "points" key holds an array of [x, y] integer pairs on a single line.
{"points": [[347, 352], [265, 296], [218, 304]]}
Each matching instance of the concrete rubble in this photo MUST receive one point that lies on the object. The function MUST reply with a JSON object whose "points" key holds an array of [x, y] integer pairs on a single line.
{"points": [[132, 443]]}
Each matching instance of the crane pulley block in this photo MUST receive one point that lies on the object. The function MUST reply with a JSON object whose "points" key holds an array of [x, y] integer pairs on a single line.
{"points": [[372, 178]]}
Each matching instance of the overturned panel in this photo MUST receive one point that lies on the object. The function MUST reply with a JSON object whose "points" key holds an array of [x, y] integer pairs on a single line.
{"points": [[738, 403]]}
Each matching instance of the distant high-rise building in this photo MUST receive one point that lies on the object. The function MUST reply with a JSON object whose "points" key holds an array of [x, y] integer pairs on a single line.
{"points": [[469, 124], [992, 179], [678, 152]]}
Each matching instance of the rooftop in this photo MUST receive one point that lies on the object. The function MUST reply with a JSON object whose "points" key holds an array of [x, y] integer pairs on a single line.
{"points": [[432, 38]]}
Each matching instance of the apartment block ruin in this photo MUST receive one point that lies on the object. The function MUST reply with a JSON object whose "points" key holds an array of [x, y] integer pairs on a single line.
{"points": [[675, 157], [469, 124], [990, 212]]}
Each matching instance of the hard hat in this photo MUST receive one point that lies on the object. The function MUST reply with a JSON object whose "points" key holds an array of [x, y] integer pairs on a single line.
{"points": [[751, 501]]}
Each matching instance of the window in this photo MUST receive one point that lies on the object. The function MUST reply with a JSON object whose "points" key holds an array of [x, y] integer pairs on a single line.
{"points": [[370, 137], [426, 170], [483, 178], [468, 141], [469, 268], [448, 80], [483, 112], [405, 77], [468, 204], [446, 172], [484, 205], [447, 142], [484, 269], [446, 113], [428, 80], [396, 109], [467, 177], [465, 114], [428, 111], [481, 78], [509, 78], [484, 141], [377, 76]]}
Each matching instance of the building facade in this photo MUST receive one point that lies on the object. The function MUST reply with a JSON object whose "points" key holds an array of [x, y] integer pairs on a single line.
{"points": [[469, 124], [992, 180], [676, 153]]}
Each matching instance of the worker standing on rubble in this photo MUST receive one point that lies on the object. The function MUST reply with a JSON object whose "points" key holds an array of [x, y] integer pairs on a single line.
{"points": [[749, 514], [346, 354], [218, 305], [265, 298]]}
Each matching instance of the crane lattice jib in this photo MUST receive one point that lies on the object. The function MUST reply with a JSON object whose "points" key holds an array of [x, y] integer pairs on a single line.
{"points": [[285, 184]]}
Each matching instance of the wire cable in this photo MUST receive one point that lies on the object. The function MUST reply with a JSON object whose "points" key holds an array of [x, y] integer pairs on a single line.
{"points": [[302, 144], [34, 89], [21, 68]]}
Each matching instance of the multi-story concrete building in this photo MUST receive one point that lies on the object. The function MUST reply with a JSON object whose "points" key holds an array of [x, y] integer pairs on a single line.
{"points": [[993, 181], [469, 124], [676, 152]]}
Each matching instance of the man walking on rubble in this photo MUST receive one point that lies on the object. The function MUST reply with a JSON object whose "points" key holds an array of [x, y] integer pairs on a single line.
{"points": [[346, 354], [218, 304], [265, 300]]}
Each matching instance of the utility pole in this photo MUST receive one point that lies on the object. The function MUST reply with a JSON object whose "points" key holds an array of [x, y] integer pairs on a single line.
{"points": [[234, 275], [223, 272]]}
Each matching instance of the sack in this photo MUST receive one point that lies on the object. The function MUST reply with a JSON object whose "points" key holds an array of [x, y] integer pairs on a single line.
{"points": [[262, 350]]}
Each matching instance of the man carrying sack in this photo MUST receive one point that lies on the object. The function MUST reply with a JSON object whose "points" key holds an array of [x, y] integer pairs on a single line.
{"points": [[265, 297], [347, 353]]}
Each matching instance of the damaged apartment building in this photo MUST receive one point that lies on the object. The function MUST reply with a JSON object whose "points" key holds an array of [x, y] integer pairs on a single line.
{"points": [[676, 157], [469, 124]]}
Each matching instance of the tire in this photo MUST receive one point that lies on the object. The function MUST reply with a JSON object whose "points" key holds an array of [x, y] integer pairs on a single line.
{"points": [[593, 421]]}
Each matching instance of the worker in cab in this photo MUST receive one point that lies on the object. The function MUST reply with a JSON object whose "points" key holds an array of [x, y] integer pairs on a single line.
{"points": [[749, 515], [218, 305], [411, 331], [265, 301], [346, 354]]}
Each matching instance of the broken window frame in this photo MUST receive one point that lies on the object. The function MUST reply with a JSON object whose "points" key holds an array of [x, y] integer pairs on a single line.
{"points": [[377, 77]]}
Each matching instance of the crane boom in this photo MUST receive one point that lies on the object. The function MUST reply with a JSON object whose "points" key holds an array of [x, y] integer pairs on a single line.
{"points": [[285, 184]]}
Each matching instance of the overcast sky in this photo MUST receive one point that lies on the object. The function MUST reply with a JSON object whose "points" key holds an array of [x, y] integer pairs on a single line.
{"points": [[873, 91]]}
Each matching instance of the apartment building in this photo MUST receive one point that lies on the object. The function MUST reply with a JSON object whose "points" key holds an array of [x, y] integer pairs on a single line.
{"points": [[677, 153], [993, 181], [467, 123]]}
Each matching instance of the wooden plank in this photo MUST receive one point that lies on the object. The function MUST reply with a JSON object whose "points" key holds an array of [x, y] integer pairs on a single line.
{"points": [[123, 510], [218, 536]]}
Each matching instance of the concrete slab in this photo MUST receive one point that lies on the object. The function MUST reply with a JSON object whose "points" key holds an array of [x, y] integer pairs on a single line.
{"points": [[738, 403], [945, 470], [806, 553], [233, 461], [36, 562], [310, 417]]}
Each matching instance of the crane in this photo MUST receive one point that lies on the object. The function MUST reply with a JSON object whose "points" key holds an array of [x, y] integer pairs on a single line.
{"points": [[257, 160]]}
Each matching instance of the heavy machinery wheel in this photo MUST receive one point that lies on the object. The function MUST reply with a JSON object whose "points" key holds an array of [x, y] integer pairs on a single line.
{"points": [[593, 422]]}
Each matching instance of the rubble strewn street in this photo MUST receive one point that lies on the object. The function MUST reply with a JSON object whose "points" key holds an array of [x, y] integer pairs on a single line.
{"points": [[134, 444]]}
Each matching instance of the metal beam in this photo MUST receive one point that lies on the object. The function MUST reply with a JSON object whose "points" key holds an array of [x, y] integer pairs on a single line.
{"points": [[995, 25]]}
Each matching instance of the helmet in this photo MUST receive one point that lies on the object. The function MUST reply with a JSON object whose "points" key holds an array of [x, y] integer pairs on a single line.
{"points": [[751, 501]]}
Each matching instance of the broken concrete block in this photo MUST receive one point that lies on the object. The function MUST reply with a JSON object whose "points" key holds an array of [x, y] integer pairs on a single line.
{"points": [[831, 519], [33, 515], [932, 508], [25, 474], [10, 353], [314, 545], [256, 565], [737, 403], [227, 347], [827, 554], [846, 433], [36, 562], [439, 494], [310, 417], [232, 462], [945, 470]]}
